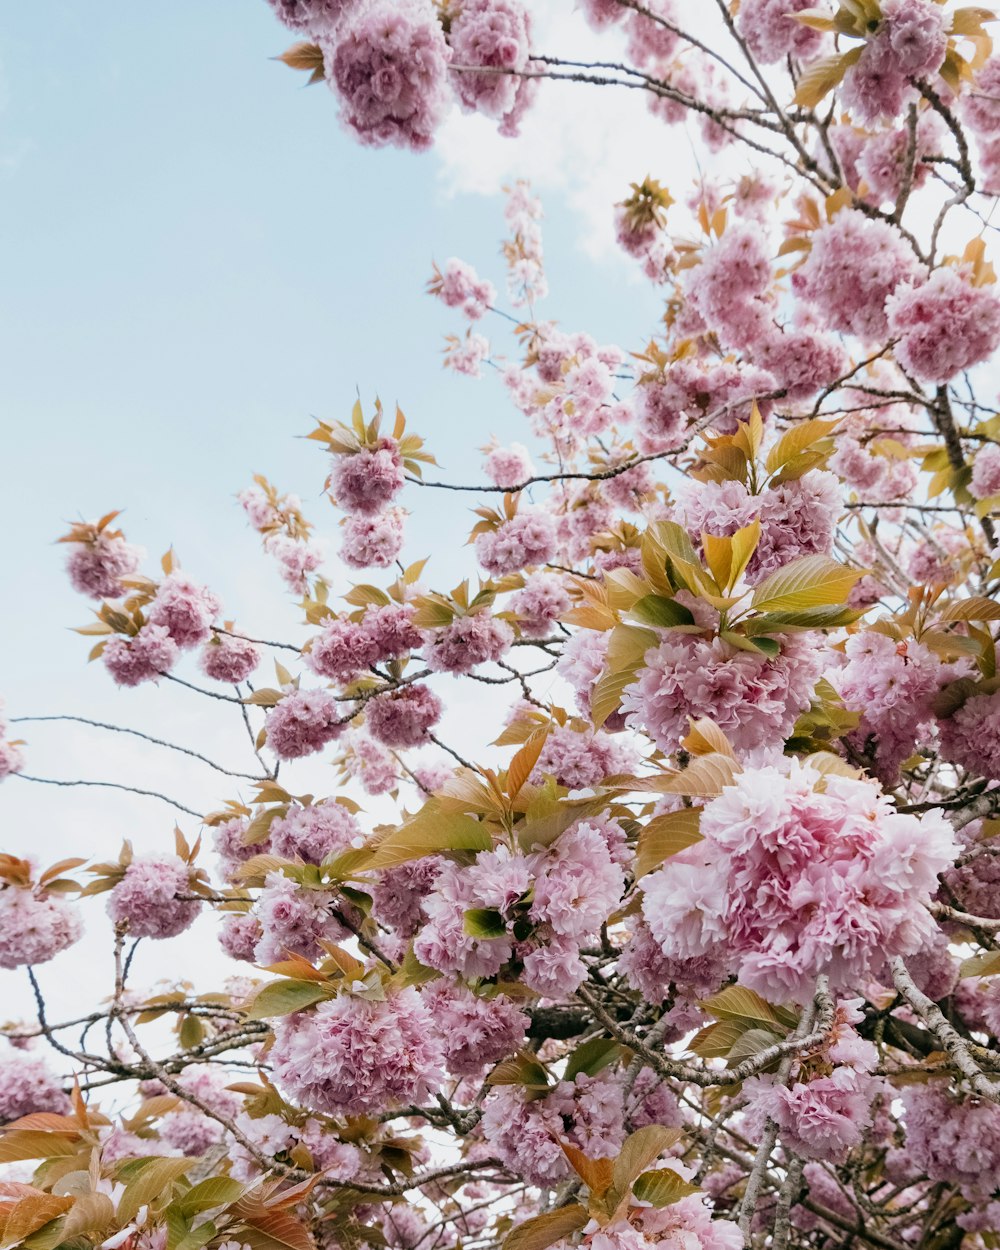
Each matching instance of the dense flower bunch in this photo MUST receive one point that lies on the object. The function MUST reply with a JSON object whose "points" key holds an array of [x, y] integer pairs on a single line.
{"points": [[701, 950]]}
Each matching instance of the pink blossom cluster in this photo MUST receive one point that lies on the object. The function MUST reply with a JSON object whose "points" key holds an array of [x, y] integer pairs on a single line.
{"points": [[348, 647], [354, 1056], [35, 926], [797, 518], [986, 472], [982, 116], [476, 1032], [229, 846], [970, 737], [528, 539], [372, 541], [798, 875], [580, 758], [229, 658], [293, 919], [28, 1086], [687, 1222], [466, 643], [304, 722], [525, 1134], [314, 832], [892, 686], [950, 1138], [145, 899], [374, 767], [698, 393], [755, 699], [818, 1116], [459, 286], [388, 66], [188, 1129], [494, 35], [526, 281], [943, 325], [96, 568], [772, 33], [573, 888], [509, 466], [467, 355], [541, 602], [403, 718], [854, 265]]}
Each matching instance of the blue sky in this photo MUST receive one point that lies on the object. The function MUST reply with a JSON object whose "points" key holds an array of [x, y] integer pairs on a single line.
{"points": [[194, 259]]}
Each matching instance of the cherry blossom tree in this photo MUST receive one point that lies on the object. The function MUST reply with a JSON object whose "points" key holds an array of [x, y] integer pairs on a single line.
{"points": [[708, 957]]}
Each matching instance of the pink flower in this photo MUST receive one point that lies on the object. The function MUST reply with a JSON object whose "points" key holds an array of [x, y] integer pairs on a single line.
{"points": [[970, 737], [11, 759], [239, 936], [580, 759], [351, 1056], [391, 628], [819, 1119], [233, 852], [372, 541], [303, 723], [96, 568], [986, 471], [796, 881], [28, 1086], [525, 1135], [460, 286], [649, 41], [541, 602], [229, 659], [145, 898], [876, 85], [854, 265], [144, 657], [374, 767], [495, 34], [185, 609], [467, 642], [293, 920], [35, 926], [944, 325], [296, 560], [312, 833], [917, 33], [772, 33], [953, 1139], [754, 699], [527, 539], [368, 480], [316, 17], [389, 66], [475, 1032], [344, 650], [730, 287], [403, 718], [399, 893]]}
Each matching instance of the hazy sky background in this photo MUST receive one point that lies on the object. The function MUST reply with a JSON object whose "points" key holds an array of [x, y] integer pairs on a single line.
{"points": [[194, 260]]}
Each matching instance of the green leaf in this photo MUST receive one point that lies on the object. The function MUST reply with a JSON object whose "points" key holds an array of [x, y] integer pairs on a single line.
{"points": [[639, 1151], [484, 922], [811, 582], [666, 835], [736, 1002], [281, 998], [662, 612], [524, 1069], [831, 616], [544, 1230], [430, 832], [592, 1056], [156, 1176], [662, 1187], [984, 965], [214, 1191]]}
